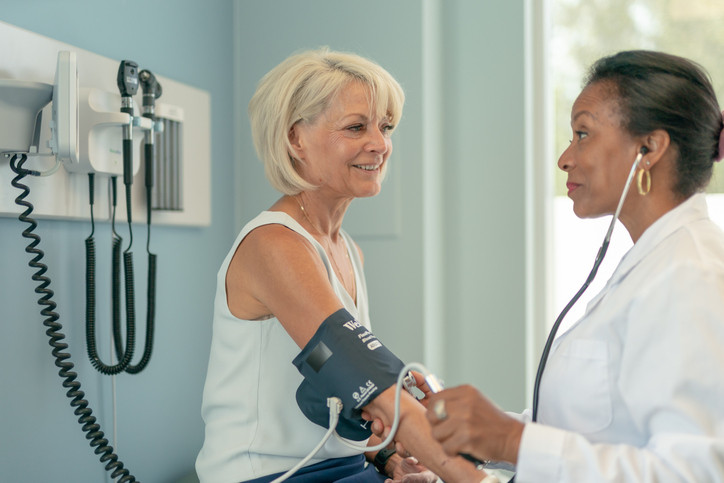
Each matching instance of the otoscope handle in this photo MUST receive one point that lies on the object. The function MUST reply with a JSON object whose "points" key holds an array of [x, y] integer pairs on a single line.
{"points": [[128, 162], [148, 159], [151, 91]]}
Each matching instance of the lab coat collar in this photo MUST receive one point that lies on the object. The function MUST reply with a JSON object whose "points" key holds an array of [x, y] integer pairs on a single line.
{"points": [[693, 209]]}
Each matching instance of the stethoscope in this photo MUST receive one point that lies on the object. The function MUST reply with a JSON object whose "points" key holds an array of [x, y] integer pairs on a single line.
{"points": [[591, 276]]}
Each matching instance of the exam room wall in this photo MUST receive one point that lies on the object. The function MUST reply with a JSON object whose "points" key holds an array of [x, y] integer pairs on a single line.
{"points": [[159, 425], [446, 280], [481, 258]]}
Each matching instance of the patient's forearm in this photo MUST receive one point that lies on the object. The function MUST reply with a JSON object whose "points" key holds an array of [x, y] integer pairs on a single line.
{"points": [[414, 434]]}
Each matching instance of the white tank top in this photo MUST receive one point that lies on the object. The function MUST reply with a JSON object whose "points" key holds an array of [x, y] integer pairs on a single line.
{"points": [[253, 425]]}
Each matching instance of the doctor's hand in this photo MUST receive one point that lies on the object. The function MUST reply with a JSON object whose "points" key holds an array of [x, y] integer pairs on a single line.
{"points": [[465, 421]]}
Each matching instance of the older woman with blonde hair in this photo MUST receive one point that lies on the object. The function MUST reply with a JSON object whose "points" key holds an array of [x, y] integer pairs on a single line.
{"points": [[322, 123]]}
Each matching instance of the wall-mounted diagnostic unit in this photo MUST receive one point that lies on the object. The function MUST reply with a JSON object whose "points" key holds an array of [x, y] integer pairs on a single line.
{"points": [[29, 67], [70, 120]]}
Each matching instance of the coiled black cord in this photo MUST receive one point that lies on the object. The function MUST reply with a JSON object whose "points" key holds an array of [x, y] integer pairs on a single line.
{"points": [[124, 357], [150, 315], [62, 359], [150, 290], [150, 295], [116, 270]]}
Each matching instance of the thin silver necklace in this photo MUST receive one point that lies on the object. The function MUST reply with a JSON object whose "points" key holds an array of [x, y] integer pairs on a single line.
{"points": [[329, 250]]}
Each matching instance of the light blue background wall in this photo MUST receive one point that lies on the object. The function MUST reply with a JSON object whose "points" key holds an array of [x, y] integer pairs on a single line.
{"points": [[469, 153], [159, 424], [485, 197], [447, 276]]}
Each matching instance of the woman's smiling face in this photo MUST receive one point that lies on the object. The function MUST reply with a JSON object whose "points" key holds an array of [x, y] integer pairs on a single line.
{"points": [[346, 148]]}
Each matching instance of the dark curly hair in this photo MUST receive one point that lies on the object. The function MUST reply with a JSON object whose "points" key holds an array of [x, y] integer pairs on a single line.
{"points": [[663, 91]]}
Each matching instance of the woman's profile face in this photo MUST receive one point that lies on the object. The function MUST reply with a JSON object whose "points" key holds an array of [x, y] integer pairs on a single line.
{"points": [[345, 149], [600, 155]]}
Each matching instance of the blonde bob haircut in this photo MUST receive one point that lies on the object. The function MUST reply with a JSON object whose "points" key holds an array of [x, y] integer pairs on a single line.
{"points": [[299, 89]]}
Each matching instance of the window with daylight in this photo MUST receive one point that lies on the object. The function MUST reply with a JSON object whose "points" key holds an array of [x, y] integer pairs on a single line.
{"points": [[580, 32]]}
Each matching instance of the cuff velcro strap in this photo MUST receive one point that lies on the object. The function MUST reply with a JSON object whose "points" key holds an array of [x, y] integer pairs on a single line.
{"points": [[345, 360]]}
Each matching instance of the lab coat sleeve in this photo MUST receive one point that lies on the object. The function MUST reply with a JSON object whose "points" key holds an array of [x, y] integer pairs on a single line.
{"points": [[523, 417], [672, 381]]}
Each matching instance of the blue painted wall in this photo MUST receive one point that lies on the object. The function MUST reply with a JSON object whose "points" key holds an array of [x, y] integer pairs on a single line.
{"points": [[158, 411], [479, 128], [475, 329]]}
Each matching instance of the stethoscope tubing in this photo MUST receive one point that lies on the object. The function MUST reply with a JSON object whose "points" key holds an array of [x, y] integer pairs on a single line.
{"points": [[597, 263]]}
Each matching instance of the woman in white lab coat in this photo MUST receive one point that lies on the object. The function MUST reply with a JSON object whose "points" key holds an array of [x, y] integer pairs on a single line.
{"points": [[634, 391]]}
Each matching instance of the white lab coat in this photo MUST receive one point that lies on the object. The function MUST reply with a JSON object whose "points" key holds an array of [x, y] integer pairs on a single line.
{"points": [[634, 391]]}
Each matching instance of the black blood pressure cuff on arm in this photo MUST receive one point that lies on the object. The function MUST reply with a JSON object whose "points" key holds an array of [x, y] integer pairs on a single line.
{"points": [[345, 360]]}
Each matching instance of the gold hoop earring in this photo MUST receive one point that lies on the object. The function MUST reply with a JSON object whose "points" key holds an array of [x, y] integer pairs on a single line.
{"points": [[640, 182]]}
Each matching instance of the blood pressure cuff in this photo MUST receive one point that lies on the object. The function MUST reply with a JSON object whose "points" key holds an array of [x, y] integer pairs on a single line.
{"points": [[345, 360]]}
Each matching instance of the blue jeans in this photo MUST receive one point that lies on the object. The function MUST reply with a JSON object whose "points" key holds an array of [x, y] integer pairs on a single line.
{"points": [[343, 470]]}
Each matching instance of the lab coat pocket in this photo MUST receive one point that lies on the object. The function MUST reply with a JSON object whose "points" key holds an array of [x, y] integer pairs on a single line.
{"points": [[588, 398]]}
